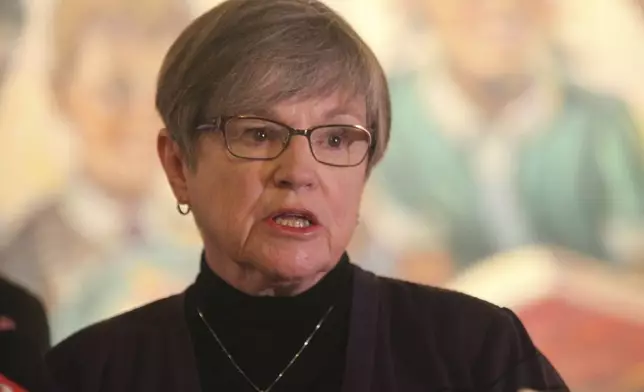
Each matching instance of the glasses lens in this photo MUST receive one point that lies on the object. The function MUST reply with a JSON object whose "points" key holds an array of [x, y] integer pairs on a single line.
{"points": [[340, 145], [255, 138]]}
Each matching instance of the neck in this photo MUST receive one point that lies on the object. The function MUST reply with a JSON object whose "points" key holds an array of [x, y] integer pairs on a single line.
{"points": [[256, 282], [491, 94]]}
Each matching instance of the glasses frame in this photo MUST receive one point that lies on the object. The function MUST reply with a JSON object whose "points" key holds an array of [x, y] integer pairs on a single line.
{"points": [[219, 124]]}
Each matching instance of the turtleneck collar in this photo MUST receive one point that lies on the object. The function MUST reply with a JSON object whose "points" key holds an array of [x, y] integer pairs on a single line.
{"points": [[262, 334], [216, 297]]}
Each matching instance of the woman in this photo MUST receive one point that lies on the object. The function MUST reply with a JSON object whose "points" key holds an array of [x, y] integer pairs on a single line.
{"points": [[275, 114]]}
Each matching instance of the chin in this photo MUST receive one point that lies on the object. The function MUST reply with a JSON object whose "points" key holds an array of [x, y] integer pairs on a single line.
{"points": [[295, 267]]}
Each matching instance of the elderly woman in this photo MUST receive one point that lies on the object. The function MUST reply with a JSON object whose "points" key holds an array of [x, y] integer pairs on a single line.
{"points": [[275, 114]]}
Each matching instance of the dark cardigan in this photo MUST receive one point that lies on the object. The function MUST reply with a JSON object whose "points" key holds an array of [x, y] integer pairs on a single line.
{"points": [[402, 337]]}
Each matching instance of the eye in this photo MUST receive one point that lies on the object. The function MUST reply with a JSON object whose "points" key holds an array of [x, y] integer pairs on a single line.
{"points": [[334, 140], [258, 134], [262, 134]]}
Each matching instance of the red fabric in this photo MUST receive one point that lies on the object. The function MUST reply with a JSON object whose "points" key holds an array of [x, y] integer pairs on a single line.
{"points": [[7, 385], [588, 347], [7, 324]]}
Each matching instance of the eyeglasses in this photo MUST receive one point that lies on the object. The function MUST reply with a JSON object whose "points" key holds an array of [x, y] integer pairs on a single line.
{"points": [[258, 138]]}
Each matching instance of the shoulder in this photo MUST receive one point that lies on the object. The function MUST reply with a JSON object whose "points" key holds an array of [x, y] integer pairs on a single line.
{"points": [[599, 105], [444, 310], [405, 92], [90, 350], [403, 82], [479, 343], [46, 213], [609, 122], [42, 236], [413, 127], [130, 323], [43, 221]]}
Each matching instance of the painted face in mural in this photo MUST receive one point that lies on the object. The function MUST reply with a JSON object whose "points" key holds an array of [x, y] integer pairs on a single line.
{"points": [[489, 37], [110, 103]]}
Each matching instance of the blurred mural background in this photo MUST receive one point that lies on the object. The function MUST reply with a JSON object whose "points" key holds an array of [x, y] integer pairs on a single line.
{"points": [[515, 172]]}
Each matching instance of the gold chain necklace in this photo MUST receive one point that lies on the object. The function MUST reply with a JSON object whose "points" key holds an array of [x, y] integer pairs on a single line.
{"points": [[287, 367]]}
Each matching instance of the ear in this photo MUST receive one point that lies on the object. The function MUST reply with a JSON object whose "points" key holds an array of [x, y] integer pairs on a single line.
{"points": [[175, 167]]}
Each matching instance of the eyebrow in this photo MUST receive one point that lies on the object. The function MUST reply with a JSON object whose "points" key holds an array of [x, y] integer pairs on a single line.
{"points": [[263, 112], [336, 111]]}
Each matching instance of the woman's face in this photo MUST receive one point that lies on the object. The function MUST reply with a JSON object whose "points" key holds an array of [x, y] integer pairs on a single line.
{"points": [[489, 37], [110, 103], [236, 202]]}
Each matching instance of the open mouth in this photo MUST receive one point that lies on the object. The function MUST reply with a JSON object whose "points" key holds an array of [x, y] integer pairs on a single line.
{"points": [[295, 219]]}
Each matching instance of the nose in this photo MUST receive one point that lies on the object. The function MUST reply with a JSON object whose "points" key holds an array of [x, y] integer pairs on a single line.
{"points": [[296, 168]]}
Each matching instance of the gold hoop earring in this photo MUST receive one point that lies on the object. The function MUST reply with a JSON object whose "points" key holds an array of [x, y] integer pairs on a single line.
{"points": [[184, 209]]}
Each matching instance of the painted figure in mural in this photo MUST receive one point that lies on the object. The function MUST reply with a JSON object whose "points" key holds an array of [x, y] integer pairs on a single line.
{"points": [[24, 332], [496, 149], [102, 246]]}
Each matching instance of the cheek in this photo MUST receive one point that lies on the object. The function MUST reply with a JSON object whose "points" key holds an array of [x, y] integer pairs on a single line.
{"points": [[84, 105], [223, 197], [345, 202]]}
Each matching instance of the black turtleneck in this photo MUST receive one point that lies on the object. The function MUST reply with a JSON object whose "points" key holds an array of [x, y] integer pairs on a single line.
{"points": [[264, 333]]}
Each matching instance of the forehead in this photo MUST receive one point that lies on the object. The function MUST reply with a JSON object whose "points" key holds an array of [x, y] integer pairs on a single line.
{"points": [[307, 111], [124, 45], [474, 7], [106, 52]]}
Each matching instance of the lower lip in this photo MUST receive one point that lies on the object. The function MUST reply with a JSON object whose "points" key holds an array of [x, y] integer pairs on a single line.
{"points": [[293, 230]]}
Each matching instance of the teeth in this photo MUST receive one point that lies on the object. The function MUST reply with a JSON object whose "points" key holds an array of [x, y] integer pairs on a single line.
{"points": [[293, 222]]}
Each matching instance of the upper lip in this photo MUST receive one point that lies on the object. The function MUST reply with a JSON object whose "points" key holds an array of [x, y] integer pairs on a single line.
{"points": [[295, 211]]}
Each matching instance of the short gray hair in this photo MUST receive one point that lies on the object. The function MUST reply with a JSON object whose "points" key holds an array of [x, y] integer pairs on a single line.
{"points": [[246, 55]]}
